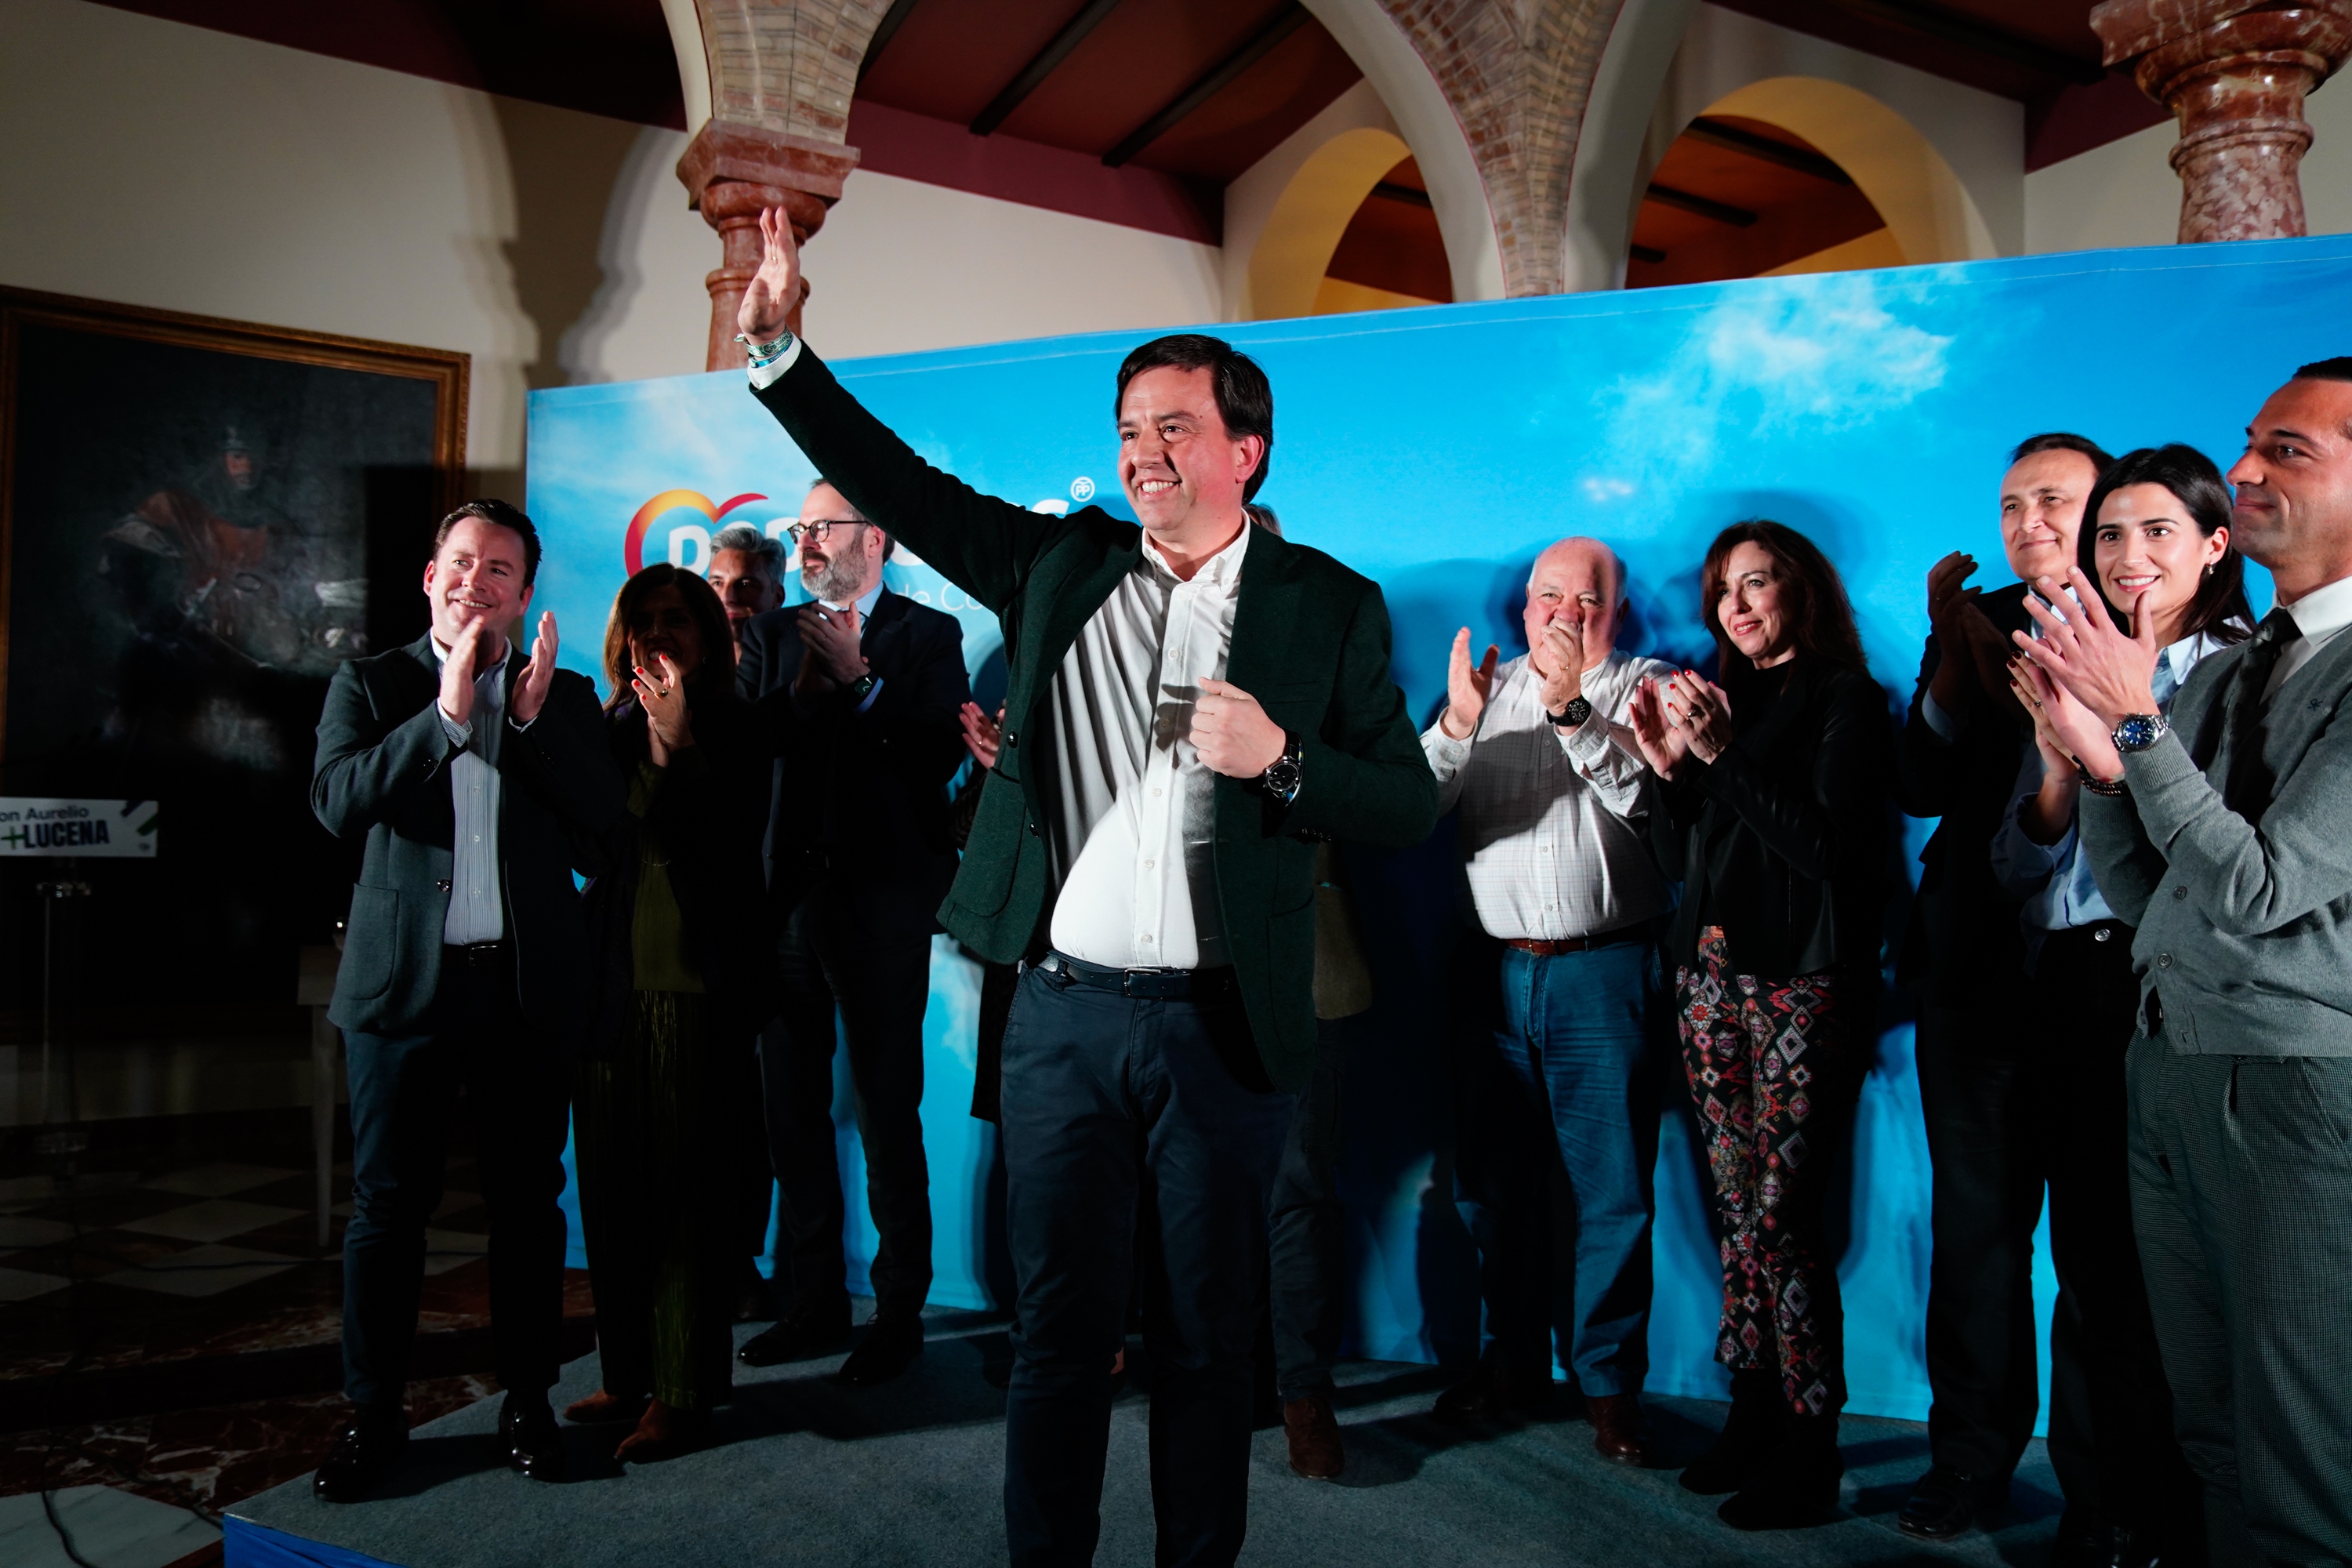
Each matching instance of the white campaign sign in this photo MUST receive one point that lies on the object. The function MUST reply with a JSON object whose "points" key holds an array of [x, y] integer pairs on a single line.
{"points": [[124, 829]]}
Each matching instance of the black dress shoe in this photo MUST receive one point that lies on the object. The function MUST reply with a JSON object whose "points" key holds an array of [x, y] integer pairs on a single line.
{"points": [[368, 1445], [1495, 1389], [801, 1334], [2084, 1540], [1798, 1487], [534, 1444], [1946, 1503], [892, 1341]]}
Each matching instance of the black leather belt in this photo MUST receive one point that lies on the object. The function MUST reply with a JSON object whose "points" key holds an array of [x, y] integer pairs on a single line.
{"points": [[1199, 985], [475, 954]]}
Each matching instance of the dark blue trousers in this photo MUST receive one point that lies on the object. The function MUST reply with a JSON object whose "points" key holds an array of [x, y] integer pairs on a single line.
{"points": [[1307, 1257], [404, 1088], [1107, 1099]]}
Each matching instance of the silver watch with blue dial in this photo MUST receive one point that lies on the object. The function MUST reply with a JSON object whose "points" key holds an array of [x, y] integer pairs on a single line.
{"points": [[2139, 731]]}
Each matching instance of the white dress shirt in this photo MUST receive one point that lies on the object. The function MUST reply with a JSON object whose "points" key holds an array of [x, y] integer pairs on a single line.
{"points": [[477, 913], [1549, 826], [2319, 616], [1129, 820]]}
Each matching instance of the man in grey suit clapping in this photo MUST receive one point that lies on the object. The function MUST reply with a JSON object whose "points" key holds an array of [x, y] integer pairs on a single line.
{"points": [[2226, 838]]}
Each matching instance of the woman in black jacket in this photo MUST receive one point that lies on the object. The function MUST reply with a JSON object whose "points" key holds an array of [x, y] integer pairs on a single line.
{"points": [[682, 981], [1776, 783]]}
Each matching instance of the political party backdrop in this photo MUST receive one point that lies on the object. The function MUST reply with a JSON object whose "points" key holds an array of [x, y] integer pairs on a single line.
{"points": [[1437, 450]]}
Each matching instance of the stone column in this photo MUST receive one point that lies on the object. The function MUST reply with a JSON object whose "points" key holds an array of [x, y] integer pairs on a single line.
{"points": [[2234, 73], [732, 171]]}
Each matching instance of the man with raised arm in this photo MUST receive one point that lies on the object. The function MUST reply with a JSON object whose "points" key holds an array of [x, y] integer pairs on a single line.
{"points": [[2224, 836], [472, 775], [1190, 702]]}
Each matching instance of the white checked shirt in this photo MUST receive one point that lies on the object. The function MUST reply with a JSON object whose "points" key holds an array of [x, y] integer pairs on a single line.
{"points": [[1132, 832], [1550, 822]]}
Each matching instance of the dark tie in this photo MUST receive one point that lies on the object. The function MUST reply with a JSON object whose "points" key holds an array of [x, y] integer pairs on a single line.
{"points": [[2247, 778]]}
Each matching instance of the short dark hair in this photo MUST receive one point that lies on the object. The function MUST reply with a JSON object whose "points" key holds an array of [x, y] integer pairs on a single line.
{"points": [[2336, 368], [1245, 397], [703, 602], [503, 514], [2062, 441], [1822, 618], [2219, 608]]}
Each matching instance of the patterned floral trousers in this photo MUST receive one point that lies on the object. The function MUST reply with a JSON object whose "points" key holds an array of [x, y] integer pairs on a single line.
{"points": [[1773, 1072]]}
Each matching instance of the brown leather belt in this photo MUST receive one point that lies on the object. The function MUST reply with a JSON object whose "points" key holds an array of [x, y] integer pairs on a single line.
{"points": [[1546, 947]]}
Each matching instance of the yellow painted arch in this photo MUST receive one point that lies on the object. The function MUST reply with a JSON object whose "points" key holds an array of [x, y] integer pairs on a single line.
{"points": [[1287, 264]]}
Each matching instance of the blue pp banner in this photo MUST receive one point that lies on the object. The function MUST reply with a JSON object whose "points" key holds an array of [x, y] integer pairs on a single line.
{"points": [[1438, 450]]}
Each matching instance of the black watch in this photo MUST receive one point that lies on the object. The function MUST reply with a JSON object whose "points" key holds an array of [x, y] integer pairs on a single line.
{"points": [[1284, 775], [1578, 710], [861, 688]]}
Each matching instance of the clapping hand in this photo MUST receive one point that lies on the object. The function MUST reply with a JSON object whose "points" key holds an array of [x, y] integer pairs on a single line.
{"points": [[457, 674], [1701, 711], [1559, 658], [983, 737], [2110, 671], [2069, 735], [830, 656], [1466, 688], [1971, 643], [531, 691], [661, 692], [1664, 747], [774, 291]]}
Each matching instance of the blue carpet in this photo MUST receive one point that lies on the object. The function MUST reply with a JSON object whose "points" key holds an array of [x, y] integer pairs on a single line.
{"points": [[807, 1471]]}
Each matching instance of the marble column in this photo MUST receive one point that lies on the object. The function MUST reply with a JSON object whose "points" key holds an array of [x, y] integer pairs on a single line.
{"points": [[731, 172], [2234, 73]]}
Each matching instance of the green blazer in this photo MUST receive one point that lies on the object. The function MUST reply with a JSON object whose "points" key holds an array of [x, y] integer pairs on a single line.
{"points": [[1310, 643], [382, 774]]}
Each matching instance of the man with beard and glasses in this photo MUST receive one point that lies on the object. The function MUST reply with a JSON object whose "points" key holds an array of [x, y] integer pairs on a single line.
{"points": [[864, 687]]}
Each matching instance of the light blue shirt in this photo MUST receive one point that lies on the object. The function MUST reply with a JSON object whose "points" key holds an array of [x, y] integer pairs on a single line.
{"points": [[475, 910], [865, 603], [2055, 880]]}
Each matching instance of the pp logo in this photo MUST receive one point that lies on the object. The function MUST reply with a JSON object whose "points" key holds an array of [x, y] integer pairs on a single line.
{"points": [[1082, 489]]}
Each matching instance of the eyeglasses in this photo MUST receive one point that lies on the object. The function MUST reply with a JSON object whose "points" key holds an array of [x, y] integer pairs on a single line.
{"points": [[820, 529]]}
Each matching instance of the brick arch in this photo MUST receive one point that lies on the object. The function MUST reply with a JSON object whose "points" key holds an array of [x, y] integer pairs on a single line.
{"points": [[1516, 76]]}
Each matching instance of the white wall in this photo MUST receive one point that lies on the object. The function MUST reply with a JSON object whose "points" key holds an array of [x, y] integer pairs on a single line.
{"points": [[2126, 193], [900, 266]]}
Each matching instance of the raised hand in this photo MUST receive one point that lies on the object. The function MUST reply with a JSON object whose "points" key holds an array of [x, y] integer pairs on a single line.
{"points": [[661, 692], [830, 656], [1466, 688], [1561, 665], [1663, 746], [775, 289], [531, 691], [1947, 598], [2110, 671], [1233, 734], [983, 737], [2069, 734], [458, 674]]}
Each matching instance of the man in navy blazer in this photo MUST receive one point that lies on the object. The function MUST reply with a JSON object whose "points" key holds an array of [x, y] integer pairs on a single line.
{"points": [[471, 775], [864, 687]]}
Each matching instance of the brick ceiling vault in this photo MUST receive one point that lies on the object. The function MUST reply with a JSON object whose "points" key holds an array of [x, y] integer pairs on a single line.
{"points": [[1517, 74]]}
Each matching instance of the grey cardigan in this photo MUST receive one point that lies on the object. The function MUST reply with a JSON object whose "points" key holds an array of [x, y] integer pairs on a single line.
{"points": [[2244, 932]]}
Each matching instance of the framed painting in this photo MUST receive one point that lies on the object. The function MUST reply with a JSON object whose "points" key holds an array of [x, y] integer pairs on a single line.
{"points": [[199, 521]]}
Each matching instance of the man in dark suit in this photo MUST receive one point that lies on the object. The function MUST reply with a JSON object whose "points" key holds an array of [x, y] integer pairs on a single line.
{"points": [[1188, 704], [1998, 1126], [471, 775], [2225, 836], [864, 687]]}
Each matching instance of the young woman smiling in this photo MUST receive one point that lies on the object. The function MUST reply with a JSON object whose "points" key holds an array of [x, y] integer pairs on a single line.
{"points": [[2157, 544], [1776, 783]]}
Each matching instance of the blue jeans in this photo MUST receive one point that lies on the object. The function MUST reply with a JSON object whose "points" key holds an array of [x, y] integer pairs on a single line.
{"points": [[1561, 1083], [1105, 1098]]}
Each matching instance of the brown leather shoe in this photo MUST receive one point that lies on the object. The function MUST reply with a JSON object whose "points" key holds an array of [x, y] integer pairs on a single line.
{"points": [[603, 1406], [664, 1432], [1616, 1426], [1314, 1436]]}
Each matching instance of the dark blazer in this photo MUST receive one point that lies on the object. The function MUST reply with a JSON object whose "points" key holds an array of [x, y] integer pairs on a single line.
{"points": [[1785, 835], [383, 771], [1963, 945], [864, 794], [1310, 642], [706, 820]]}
